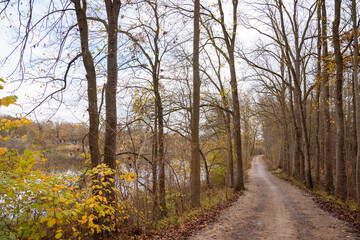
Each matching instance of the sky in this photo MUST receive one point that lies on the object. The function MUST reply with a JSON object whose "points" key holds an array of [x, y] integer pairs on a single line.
{"points": [[73, 105]]}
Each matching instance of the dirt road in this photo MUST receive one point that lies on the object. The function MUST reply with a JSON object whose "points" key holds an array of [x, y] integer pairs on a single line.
{"points": [[274, 209]]}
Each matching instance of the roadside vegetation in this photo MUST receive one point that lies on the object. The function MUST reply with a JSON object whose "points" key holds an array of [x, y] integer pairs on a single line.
{"points": [[47, 187], [167, 101]]}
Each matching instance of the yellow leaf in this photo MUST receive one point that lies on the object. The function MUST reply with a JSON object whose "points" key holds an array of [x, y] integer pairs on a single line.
{"points": [[43, 219], [58, 235], [51, 222]]}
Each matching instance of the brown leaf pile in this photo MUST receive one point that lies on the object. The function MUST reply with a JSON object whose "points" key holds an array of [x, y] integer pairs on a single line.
{"points": [[350, 216]]}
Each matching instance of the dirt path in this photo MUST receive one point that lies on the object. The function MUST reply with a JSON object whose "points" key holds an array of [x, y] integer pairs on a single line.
{"points": [[274, 209]]}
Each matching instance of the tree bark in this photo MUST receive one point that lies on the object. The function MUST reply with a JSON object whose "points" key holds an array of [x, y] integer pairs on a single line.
{"points": [[230, 45], [328, 185], [357, 94], [112, 10], [340, 188], [158, 102], [154, 167], [195, 116], [230, 158], [317, 103], [91, 82], [239, 179]]}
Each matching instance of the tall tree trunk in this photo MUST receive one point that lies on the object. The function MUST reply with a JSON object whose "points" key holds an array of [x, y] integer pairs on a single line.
{"points": [[297, 138], [283, 159], [328, 185], [294, 75], [230, 44], [357, 94], [195, 116], [300, 109], [305, 171], [285, 133], [155, 167], [239, 179], [308, 178], [159, 108], [162, 192], [354, 135], [341, 185], [317, 103], [91, 82], [287, 149], [230, 158], [112, 10], [317, 132]]}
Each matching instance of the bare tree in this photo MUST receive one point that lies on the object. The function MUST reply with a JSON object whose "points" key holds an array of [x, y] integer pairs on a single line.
{"points": [[326, 102], [225, 108], [112, 10], [357, 92], [317, 98], [229, 38], [195, 116], [80, 9], [341, 185]]}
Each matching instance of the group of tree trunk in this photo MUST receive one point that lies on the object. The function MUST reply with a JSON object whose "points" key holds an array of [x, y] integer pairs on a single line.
{"points": [[147, 43], [308, 76], [183, 79]]}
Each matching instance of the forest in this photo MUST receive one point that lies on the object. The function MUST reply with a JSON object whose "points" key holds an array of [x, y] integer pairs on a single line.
{"points": [[124, 119]]}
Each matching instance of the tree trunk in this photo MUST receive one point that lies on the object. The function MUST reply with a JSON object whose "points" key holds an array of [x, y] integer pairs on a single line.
{"points": [[357, 94], [308, 178], [285, 129], [354, 135], [207, 170], [239, 179], [162, 192], [328, 185], [297, 154], [341, 185], [91, 88], [195, 116], [230, 159], [112, 10], [299, 108], [317, 103], [154, 167]]}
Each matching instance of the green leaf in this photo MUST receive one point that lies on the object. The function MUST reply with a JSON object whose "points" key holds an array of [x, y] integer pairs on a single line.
{"points": [[27, 153], [26, 233], [22, 163]]}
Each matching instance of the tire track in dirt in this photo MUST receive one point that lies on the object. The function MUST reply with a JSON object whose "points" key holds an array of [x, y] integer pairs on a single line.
{"points": [[274, 209]]}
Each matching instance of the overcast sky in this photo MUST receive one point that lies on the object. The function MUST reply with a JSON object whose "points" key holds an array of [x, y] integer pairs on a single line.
{"points": [[69, 106]]}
